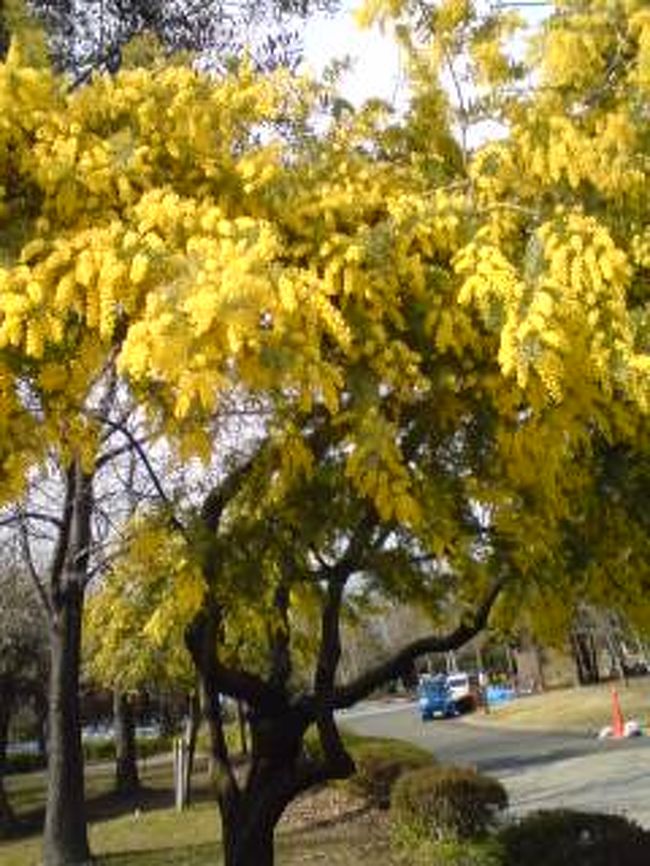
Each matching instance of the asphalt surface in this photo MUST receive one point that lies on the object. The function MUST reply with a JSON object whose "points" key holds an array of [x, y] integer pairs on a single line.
{"points": [[539, 770]]}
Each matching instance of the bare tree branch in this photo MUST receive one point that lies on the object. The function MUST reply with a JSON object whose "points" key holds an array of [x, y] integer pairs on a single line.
{"points": [[21, 516], [109, 456], [151, 472], [31, 568]]}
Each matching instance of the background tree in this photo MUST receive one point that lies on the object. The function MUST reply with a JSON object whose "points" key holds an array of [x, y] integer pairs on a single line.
{"points": [[23, 659], [598, 576], [92, 36], [122, 655]]}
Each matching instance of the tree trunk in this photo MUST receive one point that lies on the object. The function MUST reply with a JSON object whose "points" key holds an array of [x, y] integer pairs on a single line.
{"points": [[247, 846], [126, 760], [593, 658], [279, 772], [192, 735], [65, 840], [585, 659], [168, 727], [41, 711], [7, 817]]}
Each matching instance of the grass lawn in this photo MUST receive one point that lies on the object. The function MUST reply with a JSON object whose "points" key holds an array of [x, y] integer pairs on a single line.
{"points": [[156, 835], [585, 708], [163, 837]]}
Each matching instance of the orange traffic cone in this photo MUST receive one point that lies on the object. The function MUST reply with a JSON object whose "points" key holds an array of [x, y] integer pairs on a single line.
{"points": [[618, 724]]}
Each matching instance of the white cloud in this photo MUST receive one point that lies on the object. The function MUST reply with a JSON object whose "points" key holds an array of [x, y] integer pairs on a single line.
{"points": [[375, 57]]}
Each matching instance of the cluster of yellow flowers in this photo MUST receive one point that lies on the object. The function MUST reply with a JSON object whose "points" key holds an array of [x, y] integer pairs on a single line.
{"points": [[572, 303], [557, 255], [640, 248], [572, 57], [149, 180], [162, 217], [606, 156]]}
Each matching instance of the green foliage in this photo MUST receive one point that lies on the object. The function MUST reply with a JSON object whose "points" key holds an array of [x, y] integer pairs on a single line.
{"points": [[99, 749], [451, 852], [445, 804], [103, 749], [147, 598], [232, 733], [547, 838], [23, 652], [380, 763]]}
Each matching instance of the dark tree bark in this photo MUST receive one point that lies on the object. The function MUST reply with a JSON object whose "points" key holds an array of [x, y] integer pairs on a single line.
{"points": [[585, 657], [192, 735], [242, 847], [65, 841], [7, 817], [279, 767], [127, 781], [166, 716]]}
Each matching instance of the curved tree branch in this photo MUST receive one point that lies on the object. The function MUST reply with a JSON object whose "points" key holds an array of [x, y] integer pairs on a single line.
{"points": [[20, 516], [32, 570], [402, 662]]}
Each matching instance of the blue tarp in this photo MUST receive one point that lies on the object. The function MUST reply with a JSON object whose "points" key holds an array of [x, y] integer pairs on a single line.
{"points": [[499, 694]]}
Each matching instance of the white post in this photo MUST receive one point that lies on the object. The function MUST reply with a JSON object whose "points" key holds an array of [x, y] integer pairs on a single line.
{"points": [[180, 782]]}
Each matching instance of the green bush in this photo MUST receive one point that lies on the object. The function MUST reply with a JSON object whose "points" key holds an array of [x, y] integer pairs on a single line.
{"points": [[103, 748], [23, 763], [233, 739], [445, 804], [547, 838], [379, 764], [148, 746], [99, 749]]}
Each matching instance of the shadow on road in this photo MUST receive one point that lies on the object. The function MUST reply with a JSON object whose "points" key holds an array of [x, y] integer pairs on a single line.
{"points": [[503, 763]]}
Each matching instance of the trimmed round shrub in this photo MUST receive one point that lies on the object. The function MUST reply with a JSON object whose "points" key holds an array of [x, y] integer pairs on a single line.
{"points": [[446, 804], [379, 764], [547, 838]]}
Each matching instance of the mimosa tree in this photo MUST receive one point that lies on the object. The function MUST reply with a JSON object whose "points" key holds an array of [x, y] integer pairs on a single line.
{"points": [[437, 336]]}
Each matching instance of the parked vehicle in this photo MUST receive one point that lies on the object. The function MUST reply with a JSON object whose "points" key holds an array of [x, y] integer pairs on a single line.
{"points": [[435, 699], [464, 689]]}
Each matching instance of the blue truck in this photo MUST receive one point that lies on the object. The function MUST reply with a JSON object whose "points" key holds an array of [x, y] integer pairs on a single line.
{"points": [[435, 699]]}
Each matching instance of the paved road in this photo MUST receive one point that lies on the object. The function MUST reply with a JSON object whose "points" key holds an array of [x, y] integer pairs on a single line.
{"points": [[539, 770]]}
